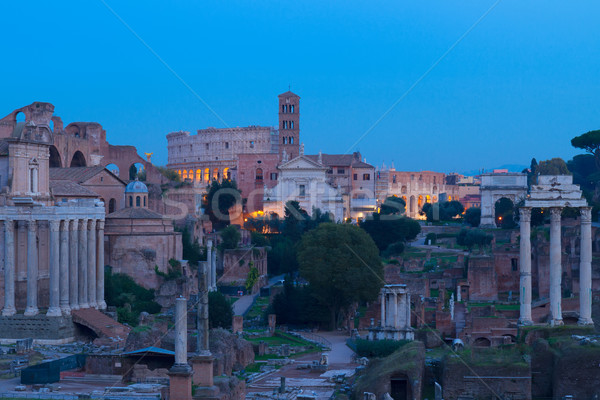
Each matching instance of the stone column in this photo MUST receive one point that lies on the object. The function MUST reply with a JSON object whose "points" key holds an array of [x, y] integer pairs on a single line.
{"points": [[9, 269], [382, 308], [54, 270], [585, 268], [100, 266], [83, 258], [395, 309], [64, 268], [213, 271], [202, 309], [181, 331], [555, 267], [32, 269], [209, 250], [74, 264], [525, 266], [91, 264], [407, 310]]}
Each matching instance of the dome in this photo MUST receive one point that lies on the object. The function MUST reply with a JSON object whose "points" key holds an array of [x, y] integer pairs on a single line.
{"points": [[136, 187]]}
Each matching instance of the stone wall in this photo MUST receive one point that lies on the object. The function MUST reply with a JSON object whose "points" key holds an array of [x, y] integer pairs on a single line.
{"points": [[230, 352], [482, 278], [39, 326]]}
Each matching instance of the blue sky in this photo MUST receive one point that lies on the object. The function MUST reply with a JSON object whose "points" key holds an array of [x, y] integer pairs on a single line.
{"points": [[520, 85]]}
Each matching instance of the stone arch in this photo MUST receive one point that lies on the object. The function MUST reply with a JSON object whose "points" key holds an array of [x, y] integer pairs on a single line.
{"points": [[504, 211], [112, 205], [20, 117], [137, 169], [420, 201], [403, 190], [55, 160], [78, 160], [482, 342], [215, 175], [400, 387], [113, 168], [198, 175], [259, 174], [495, 186], [207, 175], [226, 174], [185, 175]]}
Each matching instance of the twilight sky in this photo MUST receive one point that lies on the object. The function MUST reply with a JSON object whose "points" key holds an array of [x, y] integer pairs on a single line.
{"points": [[521, 84]]}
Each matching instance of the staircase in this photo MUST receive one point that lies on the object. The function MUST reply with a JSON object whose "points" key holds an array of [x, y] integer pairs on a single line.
{"points": [[107, 329]]}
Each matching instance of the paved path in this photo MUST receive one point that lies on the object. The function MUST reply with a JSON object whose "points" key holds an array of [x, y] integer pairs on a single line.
{"points": [[244, 303], [340, 353]]}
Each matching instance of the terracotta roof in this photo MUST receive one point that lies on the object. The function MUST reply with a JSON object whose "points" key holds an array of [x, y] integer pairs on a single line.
{"points": [[134, 213], [288, 93], [67, 188], [342, 160], [79, 174]]}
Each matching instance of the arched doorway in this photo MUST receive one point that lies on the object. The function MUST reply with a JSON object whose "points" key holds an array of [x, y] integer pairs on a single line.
{"points": [[504, 210], [482, 342], [216, 174], [112, 204], [55, 161], [78, 160]]}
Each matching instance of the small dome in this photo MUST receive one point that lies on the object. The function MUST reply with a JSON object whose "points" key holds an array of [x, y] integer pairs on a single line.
{"points": [[136, 187]]}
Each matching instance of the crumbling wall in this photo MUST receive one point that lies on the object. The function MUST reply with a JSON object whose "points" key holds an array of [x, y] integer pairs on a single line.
{"points": [[230, 352]]}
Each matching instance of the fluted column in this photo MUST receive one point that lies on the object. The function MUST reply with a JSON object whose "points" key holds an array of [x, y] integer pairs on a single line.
{"points": [[32, 269], [525, 266], [180, 331], [9, 269], [74, 264], [54, 272], [83, 261], [64, 268], [382, 308], [100, 266], [91, 265], [555, 267], [585, 268]]}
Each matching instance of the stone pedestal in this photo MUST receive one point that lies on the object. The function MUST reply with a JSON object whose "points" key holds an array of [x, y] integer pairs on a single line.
{"points": [[180, 382], [202, 365]]}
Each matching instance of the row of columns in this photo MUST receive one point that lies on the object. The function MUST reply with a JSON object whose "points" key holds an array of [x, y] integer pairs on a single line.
{"points": [[585, 266], [390, 313], [76, 266]]}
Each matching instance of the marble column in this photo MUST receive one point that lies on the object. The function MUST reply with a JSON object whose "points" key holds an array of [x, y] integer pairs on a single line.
{"points": [[555, 267], [32, 269], [382, 309], [9, 269], [100, 266], [395, 309], [64, 268], [91, 264], [83, 261], [181, 331], [74, 264], [209, 251], [585, 268], [407, 310], [525, 266], [213, 271], [54, 270]]}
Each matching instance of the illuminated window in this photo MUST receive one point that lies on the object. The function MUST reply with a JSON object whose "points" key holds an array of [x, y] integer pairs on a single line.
{"points": [[366, 177]]}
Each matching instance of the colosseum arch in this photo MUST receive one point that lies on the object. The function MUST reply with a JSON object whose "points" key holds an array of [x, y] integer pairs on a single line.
{"points": [[512, 186]]}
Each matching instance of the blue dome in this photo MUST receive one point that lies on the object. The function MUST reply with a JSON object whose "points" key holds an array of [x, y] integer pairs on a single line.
{"points": [[136, 187]]}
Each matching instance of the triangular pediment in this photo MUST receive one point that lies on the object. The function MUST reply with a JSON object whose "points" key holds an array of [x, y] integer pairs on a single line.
{"points": [[302, 162]]}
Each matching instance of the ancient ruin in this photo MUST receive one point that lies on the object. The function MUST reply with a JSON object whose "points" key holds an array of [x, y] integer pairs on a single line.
{"points": [[395, 315]]}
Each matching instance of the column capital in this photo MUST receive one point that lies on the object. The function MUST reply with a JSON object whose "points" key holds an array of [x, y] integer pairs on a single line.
{"points": [[64, 226], [32, 225], [92, 224], [586, 214], [9, 225], [54, 225], [525, 214], [100, 225], [555, 213], [81, 223]]}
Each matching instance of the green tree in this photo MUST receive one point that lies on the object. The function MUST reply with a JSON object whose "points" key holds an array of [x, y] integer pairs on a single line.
{"points": [[505, 210], [169, 174], [294, 219], [220, 312], [554, 166], [473, 216], [342, 265], [221, 197], [259, 240], [388, 229], [251, 279], [230, 237], [473, 237], [444, 211], [589, 142], [191, 248]]}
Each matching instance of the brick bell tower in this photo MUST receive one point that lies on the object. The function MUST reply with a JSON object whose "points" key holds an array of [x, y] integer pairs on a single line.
{"points": [[289, 124]]}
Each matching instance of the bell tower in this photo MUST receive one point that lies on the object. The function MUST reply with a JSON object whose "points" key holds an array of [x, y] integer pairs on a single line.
{"points": [[289, 124]]}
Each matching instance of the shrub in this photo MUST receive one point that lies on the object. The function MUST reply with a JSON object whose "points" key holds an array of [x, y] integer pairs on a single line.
{"points": [[430, 238], [219, 311], [377, 348]]}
